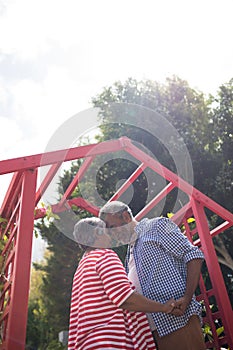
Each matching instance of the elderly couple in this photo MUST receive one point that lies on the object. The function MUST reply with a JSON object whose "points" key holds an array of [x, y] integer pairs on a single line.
{"points": [[153, 307]]}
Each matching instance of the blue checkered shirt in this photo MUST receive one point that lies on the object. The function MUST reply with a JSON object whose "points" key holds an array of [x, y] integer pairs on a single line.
{"points": [[161, 253]]}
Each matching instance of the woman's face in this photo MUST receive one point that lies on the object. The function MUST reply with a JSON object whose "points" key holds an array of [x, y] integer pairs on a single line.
{"points": [[102, 239]]}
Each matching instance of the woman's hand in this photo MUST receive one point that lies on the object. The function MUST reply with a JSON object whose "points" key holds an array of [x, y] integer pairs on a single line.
{"points": [[169, 306]]}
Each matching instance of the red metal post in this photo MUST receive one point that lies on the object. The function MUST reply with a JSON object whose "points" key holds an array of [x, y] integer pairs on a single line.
{"points": [[215, 273], [17, 321], [204, 295]]}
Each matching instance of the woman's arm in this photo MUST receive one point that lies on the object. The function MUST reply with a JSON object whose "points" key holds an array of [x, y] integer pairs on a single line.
{"points": [[137, 302]]}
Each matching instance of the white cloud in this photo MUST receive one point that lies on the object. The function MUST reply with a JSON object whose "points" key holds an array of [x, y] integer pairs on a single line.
{"points": [[56, 55], [11, 135]]}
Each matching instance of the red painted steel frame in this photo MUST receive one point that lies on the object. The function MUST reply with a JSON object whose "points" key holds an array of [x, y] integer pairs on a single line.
{"points": [[15, 316], [18, 208]]}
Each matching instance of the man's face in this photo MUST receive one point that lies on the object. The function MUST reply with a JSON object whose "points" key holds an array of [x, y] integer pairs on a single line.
{"points": [[119, 227]]}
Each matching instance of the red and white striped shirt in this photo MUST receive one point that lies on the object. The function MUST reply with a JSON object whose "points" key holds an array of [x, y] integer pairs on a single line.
{"points": [[100, 286]]}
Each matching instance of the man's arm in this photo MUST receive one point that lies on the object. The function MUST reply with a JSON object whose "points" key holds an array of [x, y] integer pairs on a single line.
{"points": [[193, 275]]}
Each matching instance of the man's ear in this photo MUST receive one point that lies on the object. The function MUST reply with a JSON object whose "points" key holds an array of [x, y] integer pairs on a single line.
{"points": [[126, 216]]}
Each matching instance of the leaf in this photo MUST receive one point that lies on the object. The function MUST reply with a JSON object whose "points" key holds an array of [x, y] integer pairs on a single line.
{"points": [[207, 329], [190, 220], [36, 234], [2, 220], [220, 330], [50, 214]]}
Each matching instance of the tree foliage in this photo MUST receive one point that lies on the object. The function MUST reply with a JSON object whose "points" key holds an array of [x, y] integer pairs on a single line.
{"points": [[36, 326], [186, 109], [223, 124], [204, 124], [223, 189]]}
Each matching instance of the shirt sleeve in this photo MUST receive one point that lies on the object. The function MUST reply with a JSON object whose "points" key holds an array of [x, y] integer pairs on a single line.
{"points": [[170, 237], [114, 278]]}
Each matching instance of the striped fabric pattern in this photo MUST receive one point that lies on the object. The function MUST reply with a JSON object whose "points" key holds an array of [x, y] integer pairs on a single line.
{"points": [[100, 286]]}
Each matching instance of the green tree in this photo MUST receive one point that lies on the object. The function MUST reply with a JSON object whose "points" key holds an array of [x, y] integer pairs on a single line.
{"points": [[188, 110], [223, 192], [223, 123], [37, 323]]}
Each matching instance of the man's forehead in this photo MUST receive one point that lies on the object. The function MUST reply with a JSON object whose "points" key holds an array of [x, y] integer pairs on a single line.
{"points": [[112, 216]]}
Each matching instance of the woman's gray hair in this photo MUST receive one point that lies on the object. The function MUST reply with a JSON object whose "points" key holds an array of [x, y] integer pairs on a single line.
{"points": [[114, 208], [84, 231]]}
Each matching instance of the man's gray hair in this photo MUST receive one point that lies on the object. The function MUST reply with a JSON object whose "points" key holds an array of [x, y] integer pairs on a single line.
{"points": [[114, 208]]}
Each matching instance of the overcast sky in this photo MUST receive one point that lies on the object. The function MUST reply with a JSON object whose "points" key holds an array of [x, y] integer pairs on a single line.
{"points": [[55, 55]]}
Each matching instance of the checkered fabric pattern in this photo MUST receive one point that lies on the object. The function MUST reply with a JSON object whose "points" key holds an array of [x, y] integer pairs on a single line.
{"points": [[161, 253]]}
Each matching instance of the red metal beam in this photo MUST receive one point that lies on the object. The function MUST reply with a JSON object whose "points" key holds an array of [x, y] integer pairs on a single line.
{"points": [[224, 226], [155, 200], [128, 182], [87, 162], [217, 230], [38, 160], [204, 296], [215, 273], [16, 330], [185, 211], [46, 181], [79, 202]]}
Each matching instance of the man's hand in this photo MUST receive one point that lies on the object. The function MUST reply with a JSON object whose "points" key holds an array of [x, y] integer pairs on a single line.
{"points": [[180, 306], [193, 275]]}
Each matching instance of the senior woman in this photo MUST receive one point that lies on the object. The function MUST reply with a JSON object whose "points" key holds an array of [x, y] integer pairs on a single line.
{"points": [[106, 313]]}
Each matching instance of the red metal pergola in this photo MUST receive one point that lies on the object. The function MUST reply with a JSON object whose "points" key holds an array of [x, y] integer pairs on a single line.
{"points": [[23, 196]]}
